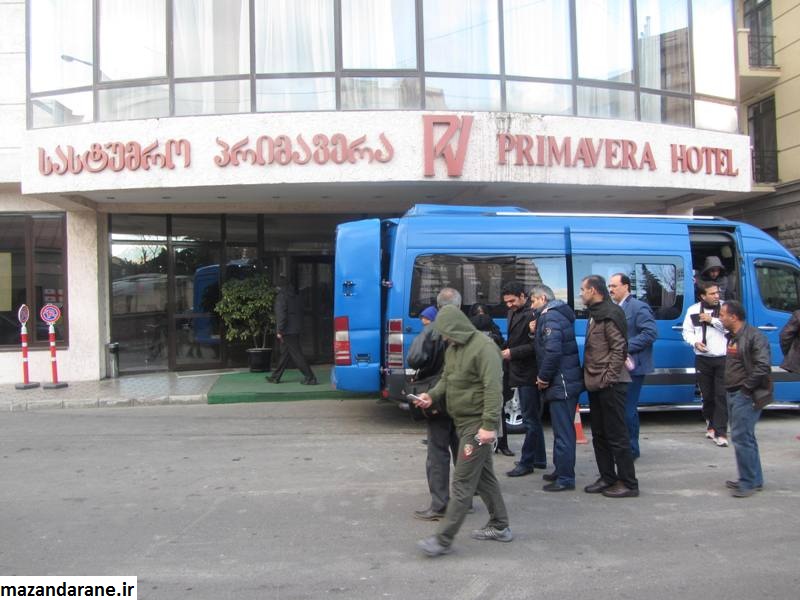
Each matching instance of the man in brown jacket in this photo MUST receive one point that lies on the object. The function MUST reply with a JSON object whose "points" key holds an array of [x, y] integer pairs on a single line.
{"points": [[606, 380]]}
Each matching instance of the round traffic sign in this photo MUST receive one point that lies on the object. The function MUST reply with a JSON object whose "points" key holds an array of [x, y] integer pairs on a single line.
{"points": [[23, 314], [50, 313]]}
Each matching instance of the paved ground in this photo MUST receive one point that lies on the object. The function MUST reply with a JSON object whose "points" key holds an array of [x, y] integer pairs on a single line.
{"points": [[313, 500]]}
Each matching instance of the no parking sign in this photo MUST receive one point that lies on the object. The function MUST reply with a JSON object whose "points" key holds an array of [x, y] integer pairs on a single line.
{"points": [[50, 313]]}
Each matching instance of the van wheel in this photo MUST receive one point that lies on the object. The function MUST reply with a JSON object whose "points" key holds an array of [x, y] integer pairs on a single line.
{"points": [[512, 413]]}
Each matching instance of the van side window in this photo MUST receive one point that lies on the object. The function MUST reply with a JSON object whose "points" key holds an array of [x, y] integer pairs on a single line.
{"points": [[480, 278], [657, 280], [778, 285]]}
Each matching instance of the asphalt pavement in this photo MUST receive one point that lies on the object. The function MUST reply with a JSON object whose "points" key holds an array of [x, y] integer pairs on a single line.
{"points": [[314, 499]]}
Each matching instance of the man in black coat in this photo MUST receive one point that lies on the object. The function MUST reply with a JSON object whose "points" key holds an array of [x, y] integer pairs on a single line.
{"points": [[288, 322], [521, 361]]}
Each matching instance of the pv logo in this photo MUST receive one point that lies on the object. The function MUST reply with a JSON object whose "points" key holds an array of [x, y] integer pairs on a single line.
{"points": [[453, 159]]}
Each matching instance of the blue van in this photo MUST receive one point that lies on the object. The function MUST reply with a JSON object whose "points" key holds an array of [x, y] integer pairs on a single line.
{"points": [[387, 271]]}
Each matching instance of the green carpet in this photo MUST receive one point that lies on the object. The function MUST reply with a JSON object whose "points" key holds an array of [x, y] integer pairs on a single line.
{"points": [[253, 387]]}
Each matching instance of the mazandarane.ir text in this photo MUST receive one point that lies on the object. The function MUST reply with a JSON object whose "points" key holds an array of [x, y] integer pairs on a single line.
{"points": [[68, 587]]}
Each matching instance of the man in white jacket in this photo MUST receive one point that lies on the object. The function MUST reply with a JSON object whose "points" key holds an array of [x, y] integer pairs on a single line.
{"points": [[704, 332]]}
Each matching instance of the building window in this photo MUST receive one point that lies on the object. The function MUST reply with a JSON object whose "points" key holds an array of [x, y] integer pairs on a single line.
{"points": [[760, 41], [659, 61], [764, 140], [32, 272]]}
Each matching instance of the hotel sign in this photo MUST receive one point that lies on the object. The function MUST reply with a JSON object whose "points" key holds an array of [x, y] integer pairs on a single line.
{"points": [[401, 146]]}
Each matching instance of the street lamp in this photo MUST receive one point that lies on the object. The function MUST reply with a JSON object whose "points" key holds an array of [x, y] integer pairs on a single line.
{"points": [[70, 58]]}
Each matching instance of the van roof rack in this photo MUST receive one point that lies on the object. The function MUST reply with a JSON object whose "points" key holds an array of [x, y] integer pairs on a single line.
{"points": [[606, 215], [451, 209]]}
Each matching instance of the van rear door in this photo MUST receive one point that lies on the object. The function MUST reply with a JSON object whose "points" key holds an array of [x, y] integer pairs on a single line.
{"points": [[357, 307]]}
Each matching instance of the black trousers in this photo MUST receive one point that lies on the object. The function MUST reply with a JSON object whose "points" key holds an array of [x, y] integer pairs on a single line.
{"points": [[612, 445], [290, 349], [711, 379], [442, 448]]}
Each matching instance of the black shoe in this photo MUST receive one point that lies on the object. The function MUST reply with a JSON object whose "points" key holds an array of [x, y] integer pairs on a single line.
{"points": [[504, 451], [428, 515], [309, 381], [598, 487], [557, 487], [272, 379], [550, 476], [519, 471], [620, 490], [734, 485]]}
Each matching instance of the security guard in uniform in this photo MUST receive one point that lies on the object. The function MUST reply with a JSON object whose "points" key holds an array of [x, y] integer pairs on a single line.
{"points": [[472, 383]]}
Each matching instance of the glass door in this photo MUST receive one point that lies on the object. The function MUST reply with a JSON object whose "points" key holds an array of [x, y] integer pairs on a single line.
{"points": [[194, 290], [314, 281]]}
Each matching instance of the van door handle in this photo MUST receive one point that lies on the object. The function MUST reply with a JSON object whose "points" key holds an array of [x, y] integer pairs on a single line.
{"points": [[677, 328], [768, 328]]}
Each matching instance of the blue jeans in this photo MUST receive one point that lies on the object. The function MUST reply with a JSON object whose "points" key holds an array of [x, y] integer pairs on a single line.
{"points": [[742, 418], [632, 413], [533, 452], [562, 417]]}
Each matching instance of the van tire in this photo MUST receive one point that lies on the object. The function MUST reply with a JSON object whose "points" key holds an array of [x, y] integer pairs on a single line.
{"points": [[512, 414]]}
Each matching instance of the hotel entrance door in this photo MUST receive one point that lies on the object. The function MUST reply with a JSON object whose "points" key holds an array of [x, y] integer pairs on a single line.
{"points": [[313, 276]]}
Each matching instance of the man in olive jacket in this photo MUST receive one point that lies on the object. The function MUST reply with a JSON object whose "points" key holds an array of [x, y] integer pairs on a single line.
{"points": [[472, 383], [606, 380]]}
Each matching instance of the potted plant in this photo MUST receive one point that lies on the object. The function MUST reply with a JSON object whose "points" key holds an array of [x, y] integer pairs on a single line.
{"points": [[246, 309]]}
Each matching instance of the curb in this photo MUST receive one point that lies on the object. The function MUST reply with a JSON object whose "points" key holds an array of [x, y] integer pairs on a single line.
{"points": [[50, 404]]}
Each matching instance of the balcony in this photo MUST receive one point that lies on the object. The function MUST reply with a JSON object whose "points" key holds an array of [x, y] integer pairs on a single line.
{"points": [[757, 70], [765, 166]]}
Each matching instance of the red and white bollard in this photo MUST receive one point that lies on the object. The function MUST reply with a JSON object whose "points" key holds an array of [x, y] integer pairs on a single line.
{"points": [[51, 334], [26, 382]]}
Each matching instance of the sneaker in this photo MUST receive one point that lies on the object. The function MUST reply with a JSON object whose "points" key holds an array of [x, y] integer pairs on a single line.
{"points": [[431, 547], [493, 533], [710, 433], [721, 441]]}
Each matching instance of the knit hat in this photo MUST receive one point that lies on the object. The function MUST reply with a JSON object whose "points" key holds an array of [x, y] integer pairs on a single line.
{"points": [[429, 313]]}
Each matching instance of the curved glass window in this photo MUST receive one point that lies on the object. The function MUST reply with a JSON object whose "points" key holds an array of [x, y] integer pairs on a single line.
{"points": [[713, 77], [606, 103], [61, 44], [211, 38], [663, 40], [294, 37], [539, 98], [62, 109], [282, 95], [132, 29], [461, 36], [379, 34], [666, 109], [604, 40], [379, 93], [537, 29], [716, 116], [659, 61], [444, 93], [133, 103], [212, 97]]}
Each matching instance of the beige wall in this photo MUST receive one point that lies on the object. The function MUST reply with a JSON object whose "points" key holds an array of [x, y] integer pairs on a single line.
{"points": [[786, 23], [12, 90], [86, 282], [786, 89]]}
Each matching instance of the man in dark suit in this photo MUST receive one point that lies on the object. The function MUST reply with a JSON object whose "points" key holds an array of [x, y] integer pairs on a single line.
{"points": [[642, 333], [521, 362], [288, 322]]}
